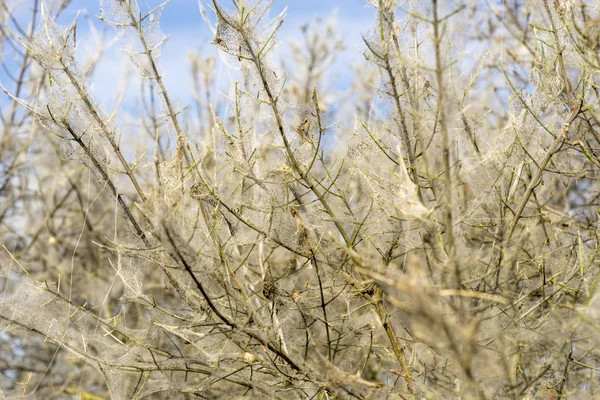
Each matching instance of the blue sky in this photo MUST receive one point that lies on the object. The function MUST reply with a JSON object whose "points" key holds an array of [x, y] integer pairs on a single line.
{"points": [[187, 31]]}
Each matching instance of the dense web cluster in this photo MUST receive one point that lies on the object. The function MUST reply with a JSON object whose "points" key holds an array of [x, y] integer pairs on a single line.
{"points": [[429, 231]]}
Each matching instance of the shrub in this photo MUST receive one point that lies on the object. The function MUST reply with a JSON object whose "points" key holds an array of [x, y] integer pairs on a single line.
{"points": [[434, 235]]}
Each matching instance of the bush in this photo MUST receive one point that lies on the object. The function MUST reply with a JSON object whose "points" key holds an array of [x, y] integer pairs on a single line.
{"points": [[434, 235]]}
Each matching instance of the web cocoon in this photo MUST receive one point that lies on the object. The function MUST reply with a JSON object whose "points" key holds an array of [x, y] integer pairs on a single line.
{"points": [[408, 202]]}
